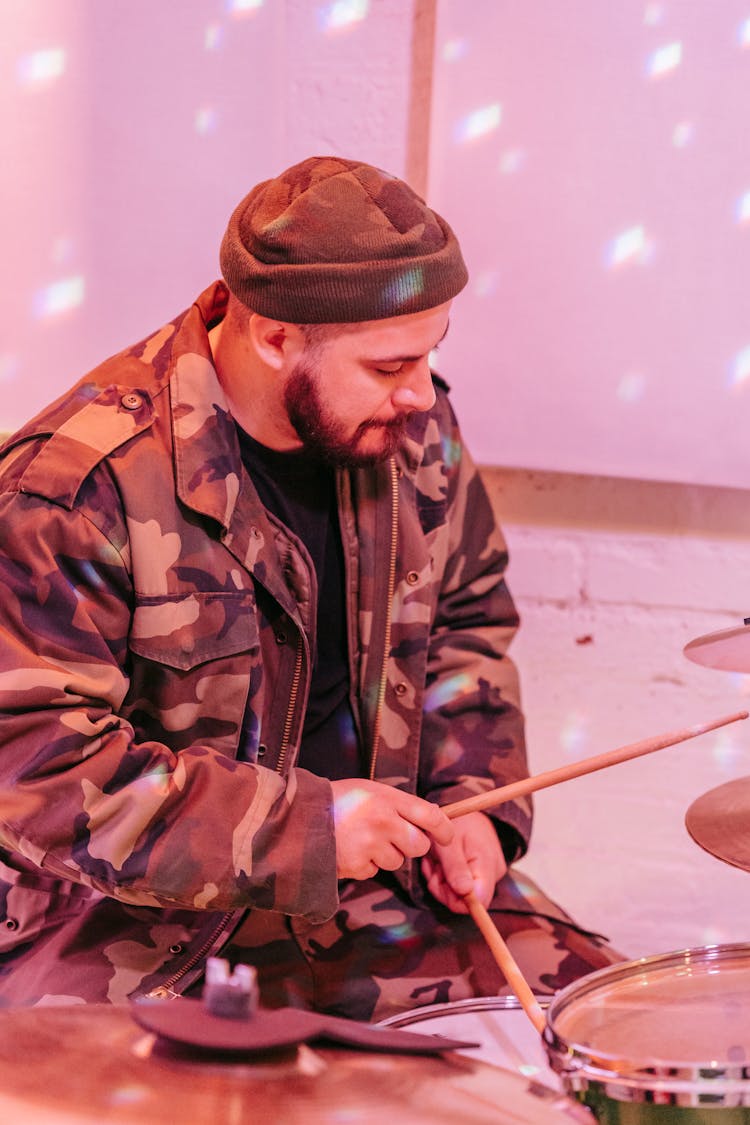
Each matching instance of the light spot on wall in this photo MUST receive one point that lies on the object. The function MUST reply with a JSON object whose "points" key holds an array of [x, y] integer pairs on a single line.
{"points": [[512, 161], [59, 297], [9, 367], [213, 37], [726, 752], [574, 734], [206, 120], [243, 7], [664, 60], [743, 34], [682, 134], [743, 208], [485, 283], [40, 68], [653, 15], [343, 14], [740, 372], [630, 247], [455, 49], [479, 123], [62, 250], [631, 387]]}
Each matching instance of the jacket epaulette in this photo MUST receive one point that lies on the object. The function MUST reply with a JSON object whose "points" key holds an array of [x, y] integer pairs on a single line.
{"points": [[69, 455]]}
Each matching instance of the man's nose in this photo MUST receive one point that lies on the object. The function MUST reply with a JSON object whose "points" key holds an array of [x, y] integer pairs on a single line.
{"points": [[416, 392]]}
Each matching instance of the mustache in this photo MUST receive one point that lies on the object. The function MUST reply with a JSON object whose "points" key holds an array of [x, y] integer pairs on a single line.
{"points": [[394, 425]]}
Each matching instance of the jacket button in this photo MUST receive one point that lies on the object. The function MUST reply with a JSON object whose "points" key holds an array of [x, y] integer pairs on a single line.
{"points": [[281, 637], [11, 923], [262, 751], [400, 688], [176, 948], [158, 993], [412, 578], [132, 401]]}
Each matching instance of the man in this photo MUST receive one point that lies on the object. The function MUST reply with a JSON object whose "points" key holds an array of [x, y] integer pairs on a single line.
{"points": [[253, 635]]}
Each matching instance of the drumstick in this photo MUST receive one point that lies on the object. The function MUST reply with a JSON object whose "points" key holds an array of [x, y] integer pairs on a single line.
{"points": [[576, 769], [505, 962]]}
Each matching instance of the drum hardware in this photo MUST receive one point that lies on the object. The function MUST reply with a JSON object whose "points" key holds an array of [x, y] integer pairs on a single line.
{"points": [[85, 1064], [506, 1036], [719, 822], [232, 995], [727, 650], [662, 1039], [228, 1019]]}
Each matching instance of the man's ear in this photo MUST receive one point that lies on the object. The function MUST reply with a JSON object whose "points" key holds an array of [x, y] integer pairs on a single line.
{"points": [[277, 342]]}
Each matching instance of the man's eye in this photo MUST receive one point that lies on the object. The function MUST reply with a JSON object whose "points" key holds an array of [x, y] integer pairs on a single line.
{"points": [[389, 370]]}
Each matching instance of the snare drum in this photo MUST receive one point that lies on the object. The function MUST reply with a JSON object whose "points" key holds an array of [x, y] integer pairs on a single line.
{"points": [[662, 1039], [499, 1024]]}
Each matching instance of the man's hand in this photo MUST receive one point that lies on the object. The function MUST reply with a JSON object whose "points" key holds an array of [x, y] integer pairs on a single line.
{"points": [[378, 827], [473, 860]]}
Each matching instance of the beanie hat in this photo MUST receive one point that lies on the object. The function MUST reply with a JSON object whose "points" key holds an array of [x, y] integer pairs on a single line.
{"points": [[333, 240]]}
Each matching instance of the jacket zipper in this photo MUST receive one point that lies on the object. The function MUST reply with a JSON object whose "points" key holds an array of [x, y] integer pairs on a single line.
{"points": [[293, 692], [388, 617], [165, 990]]}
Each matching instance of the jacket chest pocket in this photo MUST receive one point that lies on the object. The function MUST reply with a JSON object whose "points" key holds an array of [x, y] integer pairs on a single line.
{"points": [[184, 631], [192, 668]]}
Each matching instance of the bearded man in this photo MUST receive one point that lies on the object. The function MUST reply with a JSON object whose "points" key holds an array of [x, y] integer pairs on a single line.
{"points": [[254, 634]]}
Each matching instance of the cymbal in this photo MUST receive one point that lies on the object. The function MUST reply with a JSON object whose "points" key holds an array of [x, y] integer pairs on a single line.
{"points": [[85, 1064], [729, 649], [720, 822]]}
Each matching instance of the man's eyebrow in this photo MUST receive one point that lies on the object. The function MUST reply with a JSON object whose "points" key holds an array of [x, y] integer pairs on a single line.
{"points": [[409, 358]]}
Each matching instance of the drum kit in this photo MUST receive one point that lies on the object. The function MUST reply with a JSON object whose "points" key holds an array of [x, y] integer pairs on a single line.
{"points": [[662, 1040]]}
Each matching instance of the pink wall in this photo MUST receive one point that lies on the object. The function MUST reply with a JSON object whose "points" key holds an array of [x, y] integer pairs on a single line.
{"points": [[593, 158], [129, 135]]}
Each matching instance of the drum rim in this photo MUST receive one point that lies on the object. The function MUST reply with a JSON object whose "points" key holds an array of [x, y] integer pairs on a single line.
{"points": [[452, 1007], [707, 1082]]}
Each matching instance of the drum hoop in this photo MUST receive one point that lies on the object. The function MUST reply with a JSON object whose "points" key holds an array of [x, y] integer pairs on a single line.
{"points": [[454, 1007], [709, 1082]]}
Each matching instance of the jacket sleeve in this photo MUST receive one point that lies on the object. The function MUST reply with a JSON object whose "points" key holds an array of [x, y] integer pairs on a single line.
{"points": [[473, 731], [81, 796]]}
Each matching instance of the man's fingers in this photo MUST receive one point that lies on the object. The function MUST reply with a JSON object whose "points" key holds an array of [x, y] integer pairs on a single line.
{"points": [[427, 816]]}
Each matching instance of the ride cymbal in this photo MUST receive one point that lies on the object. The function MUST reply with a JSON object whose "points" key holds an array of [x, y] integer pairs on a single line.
{"points": [[728, 650], [720, 822]]}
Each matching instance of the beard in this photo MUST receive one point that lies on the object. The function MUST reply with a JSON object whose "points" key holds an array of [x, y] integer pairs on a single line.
{"points": [[324, 436]]}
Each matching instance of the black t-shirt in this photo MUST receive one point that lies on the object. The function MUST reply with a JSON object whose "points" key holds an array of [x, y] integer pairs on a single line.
{"points": [[301, 491]]}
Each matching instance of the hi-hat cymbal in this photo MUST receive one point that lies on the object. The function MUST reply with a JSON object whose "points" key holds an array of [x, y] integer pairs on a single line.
{"points": [[728, 649], [720, 822], [89, 1063]]}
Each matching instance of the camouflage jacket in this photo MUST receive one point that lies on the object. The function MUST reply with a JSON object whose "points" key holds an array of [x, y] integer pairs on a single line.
{"points": [[155, 617]]}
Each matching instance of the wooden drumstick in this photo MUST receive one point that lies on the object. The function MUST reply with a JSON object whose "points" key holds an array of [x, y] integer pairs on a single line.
{"points": [[544, 780], [506, 962]]}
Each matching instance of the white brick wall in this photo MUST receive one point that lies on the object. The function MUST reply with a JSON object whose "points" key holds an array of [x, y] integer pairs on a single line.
{"points": [[612, 578]]}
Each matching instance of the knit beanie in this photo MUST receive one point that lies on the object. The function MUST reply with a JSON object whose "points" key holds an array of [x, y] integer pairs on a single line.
{"points": [[333, 240]]}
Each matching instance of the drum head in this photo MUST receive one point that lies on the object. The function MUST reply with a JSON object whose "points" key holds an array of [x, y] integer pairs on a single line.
{"points": [[87, 1064], [676, 1021], [499, 1024]]}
